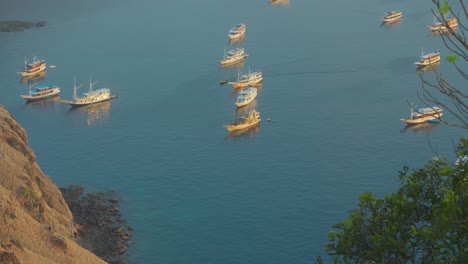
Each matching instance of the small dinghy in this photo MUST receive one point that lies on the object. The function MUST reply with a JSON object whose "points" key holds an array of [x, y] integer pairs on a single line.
{"points": [[271, 120], [223, 82]]}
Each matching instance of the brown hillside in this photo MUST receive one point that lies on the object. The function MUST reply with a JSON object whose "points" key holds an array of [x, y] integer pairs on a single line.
{"points": [[36, 225]]}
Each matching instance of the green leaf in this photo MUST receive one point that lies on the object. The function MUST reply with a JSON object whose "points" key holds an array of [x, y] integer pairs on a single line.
{"points": [[451, 58], [444, 7]]}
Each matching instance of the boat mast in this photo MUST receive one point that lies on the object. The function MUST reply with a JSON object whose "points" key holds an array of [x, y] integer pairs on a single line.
{"points": [[75, 96], [91, 84], [74, 89]]}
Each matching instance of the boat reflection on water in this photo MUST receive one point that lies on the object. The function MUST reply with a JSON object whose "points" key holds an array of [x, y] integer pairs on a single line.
{"points": [[247, 132], [96, 113], [37, 77], [278, 2], [431, 67], [237, 65], [420, 128], [44, 104], [238, 40], [242, 110], [391, 24]]}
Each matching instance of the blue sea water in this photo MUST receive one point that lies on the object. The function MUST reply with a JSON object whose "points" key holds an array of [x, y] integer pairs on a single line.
{"points": [[335, 79]]}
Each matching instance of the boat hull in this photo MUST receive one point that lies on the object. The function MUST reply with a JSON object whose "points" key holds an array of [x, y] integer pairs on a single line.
{"points": [[245, 103], [391, 19], [79, 104], [33, 72], [242, 126], [424, 64], [234, 61], [424, 119], [245, 85], [52, 94], [33, 99]]}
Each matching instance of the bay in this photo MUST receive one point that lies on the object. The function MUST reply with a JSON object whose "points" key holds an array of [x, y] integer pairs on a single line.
{"points": [[335, 79]]}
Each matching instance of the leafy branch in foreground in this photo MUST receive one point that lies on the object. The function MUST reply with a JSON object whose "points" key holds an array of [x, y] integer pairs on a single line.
{"points": [[424, 221], [457, 43]]}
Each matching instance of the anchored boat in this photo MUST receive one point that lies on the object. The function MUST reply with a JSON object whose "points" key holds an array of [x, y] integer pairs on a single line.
{"points": [[234, 56], [392, 16], [249, 119], [422, 115], [42, 92], [439, 26], [237, 31], [246, 96], [428, 58], [33, 68], [91, 97], [250, 79]]}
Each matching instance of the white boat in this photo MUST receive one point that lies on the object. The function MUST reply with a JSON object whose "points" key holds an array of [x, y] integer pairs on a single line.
{"points": [[237, 31], [250, 79], [33, 68], [246, 96], [249, 119], [234, 56], [42, 92], [392, 16], [91, 97], [428, 58], [439, 26], [422, 115]]}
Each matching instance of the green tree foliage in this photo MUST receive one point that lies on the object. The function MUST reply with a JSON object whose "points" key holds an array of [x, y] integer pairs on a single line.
{"points": [[424, 221]]}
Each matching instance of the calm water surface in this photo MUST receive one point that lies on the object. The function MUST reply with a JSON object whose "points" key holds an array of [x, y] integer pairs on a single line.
{"points": [[335, 79]]}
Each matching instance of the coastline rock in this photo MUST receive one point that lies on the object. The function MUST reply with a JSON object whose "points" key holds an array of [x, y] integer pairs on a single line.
{"points": [[100, 224], [36, 225], [12, 26]]}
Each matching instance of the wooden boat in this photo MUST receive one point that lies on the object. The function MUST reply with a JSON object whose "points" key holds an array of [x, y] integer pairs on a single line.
{"points": [[250, 79], [237, 31], [91, 97], [246, 96], [279, 2], [42, 92], [33, 68], [234, 56], [428, 58], [392, 16], [439, 26], [249, 119], [423, 115]]}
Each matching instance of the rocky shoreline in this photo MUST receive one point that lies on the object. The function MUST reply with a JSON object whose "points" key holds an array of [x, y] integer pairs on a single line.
{"points": [[12, 26], [98, 223]]}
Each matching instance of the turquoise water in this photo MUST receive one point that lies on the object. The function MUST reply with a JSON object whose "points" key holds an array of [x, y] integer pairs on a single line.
{"points": [[335, 79]]}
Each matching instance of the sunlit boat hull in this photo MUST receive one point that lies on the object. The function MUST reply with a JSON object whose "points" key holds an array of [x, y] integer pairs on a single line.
{"points": [[426, 117], [33, 72], [242, 126], [52, 94]]}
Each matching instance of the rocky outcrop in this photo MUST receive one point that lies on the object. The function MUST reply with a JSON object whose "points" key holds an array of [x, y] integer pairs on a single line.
{"points": [[36, 225], [11, 26], [100, 226]]}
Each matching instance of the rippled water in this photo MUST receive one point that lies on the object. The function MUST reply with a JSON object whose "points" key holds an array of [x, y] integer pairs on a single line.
{"points": [[335, 79]]}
